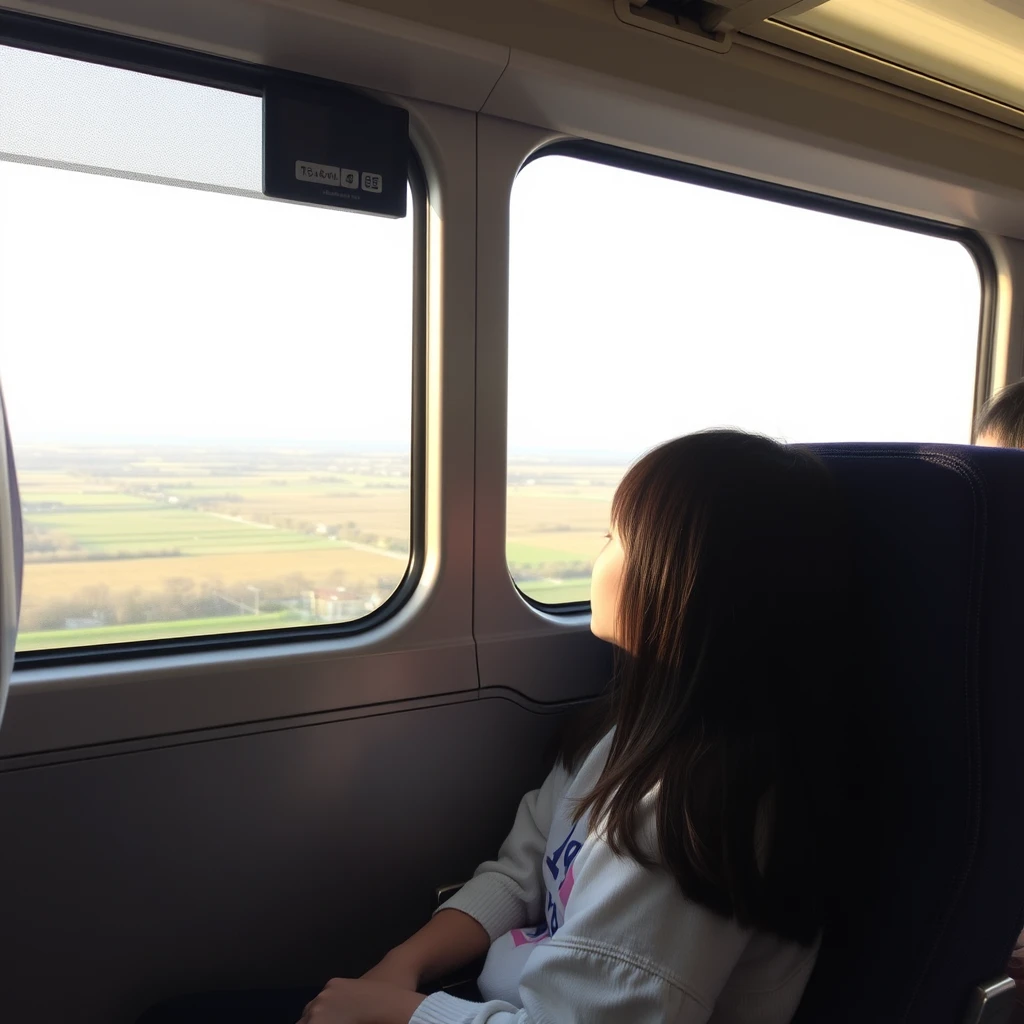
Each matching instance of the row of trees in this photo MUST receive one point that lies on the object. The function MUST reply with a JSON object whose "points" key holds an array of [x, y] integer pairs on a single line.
{"points": [[525, 572], [181, 598]]}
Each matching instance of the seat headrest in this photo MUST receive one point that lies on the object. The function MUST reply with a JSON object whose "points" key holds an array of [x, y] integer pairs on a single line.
{"points": [[939, 546]]}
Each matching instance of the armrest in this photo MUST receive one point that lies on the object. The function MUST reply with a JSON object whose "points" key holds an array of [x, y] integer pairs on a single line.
{"points": [[992, 1003]]}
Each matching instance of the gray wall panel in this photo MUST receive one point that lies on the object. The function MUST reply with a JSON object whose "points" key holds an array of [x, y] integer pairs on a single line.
{"points": [[277, 858]]}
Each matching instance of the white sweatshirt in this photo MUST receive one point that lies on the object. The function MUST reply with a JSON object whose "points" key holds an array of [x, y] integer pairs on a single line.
{"points": [[580, 934]]}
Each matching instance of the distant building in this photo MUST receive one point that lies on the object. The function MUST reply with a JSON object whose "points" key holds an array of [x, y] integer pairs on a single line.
{"points": [[86, 622], [333, 604]]}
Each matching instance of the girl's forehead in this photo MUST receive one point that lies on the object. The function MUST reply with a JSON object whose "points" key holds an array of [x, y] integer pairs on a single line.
{"points": [[989, 440]]}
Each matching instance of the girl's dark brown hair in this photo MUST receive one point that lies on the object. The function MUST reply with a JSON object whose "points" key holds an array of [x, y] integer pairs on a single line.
{"points": [[729, 702], [1003, 417]]}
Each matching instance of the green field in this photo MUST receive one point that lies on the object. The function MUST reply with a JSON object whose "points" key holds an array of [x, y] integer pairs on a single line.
{"points": [[535, 554], [44, 639], [92, 500], [151, 528], [556, 592]]}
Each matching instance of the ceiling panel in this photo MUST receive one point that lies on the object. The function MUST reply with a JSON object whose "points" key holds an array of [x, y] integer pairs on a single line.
{"points": [[974, 44]]}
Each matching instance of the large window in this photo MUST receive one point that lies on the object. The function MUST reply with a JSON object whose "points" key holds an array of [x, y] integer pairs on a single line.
{"points": [[209, 392], [643, 307]]}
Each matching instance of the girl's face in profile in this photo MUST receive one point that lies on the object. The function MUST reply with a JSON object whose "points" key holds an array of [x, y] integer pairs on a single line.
{"points": [[605, 583]]}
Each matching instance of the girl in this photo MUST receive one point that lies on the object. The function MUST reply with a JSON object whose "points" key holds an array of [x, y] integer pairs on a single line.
{"points": [[674, 865]]}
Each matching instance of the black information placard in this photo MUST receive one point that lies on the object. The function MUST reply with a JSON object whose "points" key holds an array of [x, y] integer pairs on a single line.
{"points": [[330, 148]]}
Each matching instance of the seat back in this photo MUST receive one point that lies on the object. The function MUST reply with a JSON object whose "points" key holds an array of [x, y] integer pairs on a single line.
{"points": [[937, 886]]}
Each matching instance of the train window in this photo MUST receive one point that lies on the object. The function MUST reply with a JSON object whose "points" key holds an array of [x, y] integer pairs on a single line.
{"points": [[210, 393], [643, 307]]}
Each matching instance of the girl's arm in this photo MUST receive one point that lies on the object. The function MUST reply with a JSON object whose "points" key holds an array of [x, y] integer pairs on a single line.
{"points": [[450, 940], [504, 893]]}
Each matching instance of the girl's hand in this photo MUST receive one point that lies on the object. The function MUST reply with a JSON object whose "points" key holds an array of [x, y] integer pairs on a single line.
{"points": [[361, 1001], [396, 969]]}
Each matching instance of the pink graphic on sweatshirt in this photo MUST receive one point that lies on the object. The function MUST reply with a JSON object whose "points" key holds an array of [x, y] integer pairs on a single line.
{"points": [[521, 938], [565, 889], [560, 867]]}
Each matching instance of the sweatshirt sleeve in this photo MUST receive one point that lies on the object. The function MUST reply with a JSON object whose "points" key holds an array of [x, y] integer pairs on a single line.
{"points": [[508, 892], [632, 948]]}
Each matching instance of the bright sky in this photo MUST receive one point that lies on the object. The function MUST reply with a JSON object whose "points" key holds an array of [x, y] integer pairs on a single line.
{"points": [[640, 308], [134, 311], [643, 308]]}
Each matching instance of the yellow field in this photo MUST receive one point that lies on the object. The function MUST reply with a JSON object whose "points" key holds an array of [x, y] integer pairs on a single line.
{"points": [[43, 582], [562, 515]]}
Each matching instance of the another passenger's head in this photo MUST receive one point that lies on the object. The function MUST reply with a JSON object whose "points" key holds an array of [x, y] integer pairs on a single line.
{"points": [[1001, 422], [725, 583]]}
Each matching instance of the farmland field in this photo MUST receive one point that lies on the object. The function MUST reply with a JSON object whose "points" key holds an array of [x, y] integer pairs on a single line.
{"points": [[125, 544], [558, 514]]}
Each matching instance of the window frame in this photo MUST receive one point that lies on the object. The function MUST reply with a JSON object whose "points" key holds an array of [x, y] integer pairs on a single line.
{"points": [[754, 188], [164, 61]]}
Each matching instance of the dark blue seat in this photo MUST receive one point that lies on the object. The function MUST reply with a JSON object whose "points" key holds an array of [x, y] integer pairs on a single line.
{"points": [[936, 876]]}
